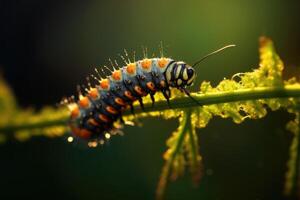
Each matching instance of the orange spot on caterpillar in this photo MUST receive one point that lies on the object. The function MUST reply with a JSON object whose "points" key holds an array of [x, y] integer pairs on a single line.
{"points": [[85, 133], [162, 62], [120, 101], [104, 83], [146, 63], [93, 93], [139, 90], [151, 86], [93, 122], [116, 75], [82, 133], [84, 102], [129, 95], [75, 112], [103, 118], [111, 110], [131, 68]]}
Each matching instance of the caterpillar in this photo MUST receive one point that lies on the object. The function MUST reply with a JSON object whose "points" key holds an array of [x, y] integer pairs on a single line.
{"points": [[93, 114]]}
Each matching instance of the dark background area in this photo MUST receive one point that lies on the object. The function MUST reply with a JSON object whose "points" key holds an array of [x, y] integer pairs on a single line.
{"points": [[48, 47]]}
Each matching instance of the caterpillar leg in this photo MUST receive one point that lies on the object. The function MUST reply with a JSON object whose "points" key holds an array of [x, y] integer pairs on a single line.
{"points": [[152, 98], [167, 95], [141, 103], [122, 120], [131, 109]]}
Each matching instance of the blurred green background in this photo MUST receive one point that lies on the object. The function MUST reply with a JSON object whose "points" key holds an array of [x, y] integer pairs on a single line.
{"points": [[48, 47]]}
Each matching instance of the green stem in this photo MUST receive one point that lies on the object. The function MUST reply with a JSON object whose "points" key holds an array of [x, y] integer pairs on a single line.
{"points": [[186, 121], [26, 126], [185, 102], [194, 148], [178, 146], [224, 97]]}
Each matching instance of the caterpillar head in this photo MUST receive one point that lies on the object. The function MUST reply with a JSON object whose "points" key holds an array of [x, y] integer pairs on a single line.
{"points": [[180, 75]]}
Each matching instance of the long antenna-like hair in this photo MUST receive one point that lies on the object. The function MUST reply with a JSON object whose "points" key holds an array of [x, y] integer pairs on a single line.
{"points": [[212, 53]]}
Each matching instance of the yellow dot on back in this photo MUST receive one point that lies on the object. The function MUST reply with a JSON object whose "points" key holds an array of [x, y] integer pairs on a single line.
{"points": [[84, 102], [75, 112], [146, 63], [162, 62], [116, 75], [93, 93], [104, 83], [131, 68]]}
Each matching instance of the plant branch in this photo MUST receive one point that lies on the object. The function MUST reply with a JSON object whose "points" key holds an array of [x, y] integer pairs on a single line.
{"points": [[175, 150], [224, 97], [184, 102]]}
